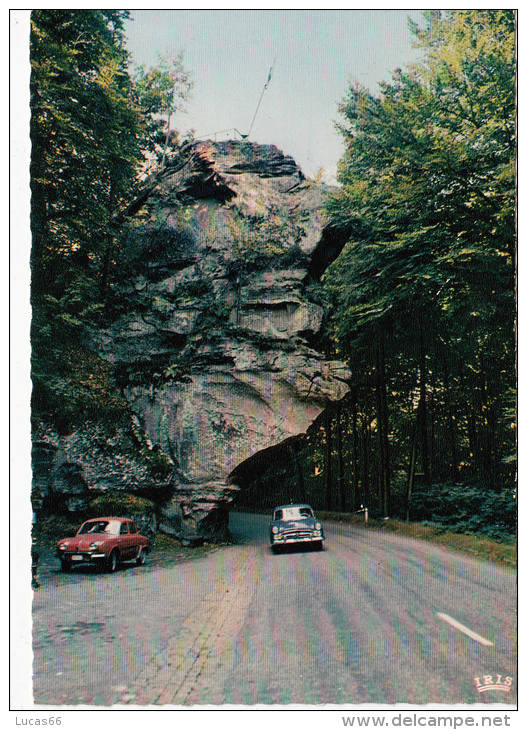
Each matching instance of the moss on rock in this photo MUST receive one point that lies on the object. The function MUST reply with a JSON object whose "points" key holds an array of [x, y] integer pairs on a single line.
{"points": [[119, 504]]}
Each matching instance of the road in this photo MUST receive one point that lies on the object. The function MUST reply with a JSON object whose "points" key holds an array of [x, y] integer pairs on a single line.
{"points": [[375, 618]]}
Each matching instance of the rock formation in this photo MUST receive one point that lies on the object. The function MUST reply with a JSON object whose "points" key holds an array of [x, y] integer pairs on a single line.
{"points": [[216, 335]]}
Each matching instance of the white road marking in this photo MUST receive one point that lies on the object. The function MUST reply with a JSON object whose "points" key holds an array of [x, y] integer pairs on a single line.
{"points": [[460, 627]]}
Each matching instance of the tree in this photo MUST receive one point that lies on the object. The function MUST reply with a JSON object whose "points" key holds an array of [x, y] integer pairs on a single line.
{"points": [[427, 278], [160, 92], [85, 134], [89, 133]]}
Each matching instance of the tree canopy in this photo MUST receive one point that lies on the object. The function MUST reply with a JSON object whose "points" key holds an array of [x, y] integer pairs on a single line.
{"points": [[92, 121], [426, 282]]}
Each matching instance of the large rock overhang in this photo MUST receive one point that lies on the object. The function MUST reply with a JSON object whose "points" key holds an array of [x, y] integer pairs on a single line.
{"points": [[252, 377]]}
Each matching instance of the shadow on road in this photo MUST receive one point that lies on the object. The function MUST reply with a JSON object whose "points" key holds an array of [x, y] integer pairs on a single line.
{"points": [[297, 548]]}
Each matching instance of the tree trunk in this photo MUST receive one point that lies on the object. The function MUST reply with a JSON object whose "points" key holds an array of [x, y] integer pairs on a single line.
{"points": [[39, 231], [411, 468], [382, 427], [454, 459], [467, 396], [340, 455], [329, 475], [473, 441], [105, 272], [169, 115], [365, 461], [425, 458], [487, 441], [494, 481], [432, 432], [110, 241], [356, 494], [299, 473]]}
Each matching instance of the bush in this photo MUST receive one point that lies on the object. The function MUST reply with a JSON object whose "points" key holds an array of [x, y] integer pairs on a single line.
{"points": [[72, 385], [54, 528], [119, 504], [466, 508], [195, 288]]}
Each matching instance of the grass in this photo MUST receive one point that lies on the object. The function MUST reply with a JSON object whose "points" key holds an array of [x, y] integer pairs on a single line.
{"points": [[476, 545], [167, 550]]}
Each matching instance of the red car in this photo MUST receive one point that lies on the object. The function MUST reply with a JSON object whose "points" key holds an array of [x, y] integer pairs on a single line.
{"points": [[105, 542]]}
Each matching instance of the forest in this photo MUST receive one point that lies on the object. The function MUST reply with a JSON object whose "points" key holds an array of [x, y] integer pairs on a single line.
{"points": [[421, 303]]}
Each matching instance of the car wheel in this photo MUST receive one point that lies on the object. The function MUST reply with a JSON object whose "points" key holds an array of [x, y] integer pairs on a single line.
{"points": [[112, 562], [141, 556], [65, 566]]}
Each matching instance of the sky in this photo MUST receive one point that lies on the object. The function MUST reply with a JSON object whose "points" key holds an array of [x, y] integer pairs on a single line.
{"points": [[315, 55]]}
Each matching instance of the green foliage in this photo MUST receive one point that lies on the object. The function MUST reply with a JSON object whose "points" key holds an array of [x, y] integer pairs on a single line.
{"points": [[85, 134], [90, 125], [160, 91], [214, 317], [72, 384], [196, 288], [163, 306], [423, 294], [467, 508], [316, 292], [120, 504], [154, 370], [428, 173], [157, 462], [85, 146], [177, 371], [267, 243], [48, 530]]}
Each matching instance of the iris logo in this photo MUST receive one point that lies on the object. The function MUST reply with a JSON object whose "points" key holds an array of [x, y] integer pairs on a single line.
{"points": [[493, 682]]}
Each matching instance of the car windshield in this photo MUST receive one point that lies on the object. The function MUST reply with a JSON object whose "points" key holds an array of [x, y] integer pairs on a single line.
{"points": [[108, 527], [293, 513]]}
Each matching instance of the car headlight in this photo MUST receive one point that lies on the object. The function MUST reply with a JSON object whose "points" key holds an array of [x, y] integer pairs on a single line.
{"points": [[318, 526], [94, 546], [63, 546], [274, 529]]}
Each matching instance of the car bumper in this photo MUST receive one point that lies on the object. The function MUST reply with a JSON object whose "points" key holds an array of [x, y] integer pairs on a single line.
{"points": [[291, 539], [81, 558]]}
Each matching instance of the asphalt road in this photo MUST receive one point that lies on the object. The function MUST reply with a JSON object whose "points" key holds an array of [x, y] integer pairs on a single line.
{"points": [[375, 618]]}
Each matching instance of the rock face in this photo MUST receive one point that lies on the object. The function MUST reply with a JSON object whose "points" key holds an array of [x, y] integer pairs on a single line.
{"points": [[215, 339], [69, 471]]}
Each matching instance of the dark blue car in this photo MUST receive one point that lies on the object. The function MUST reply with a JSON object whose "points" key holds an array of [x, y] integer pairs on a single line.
{"points": [[295, 524]]}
